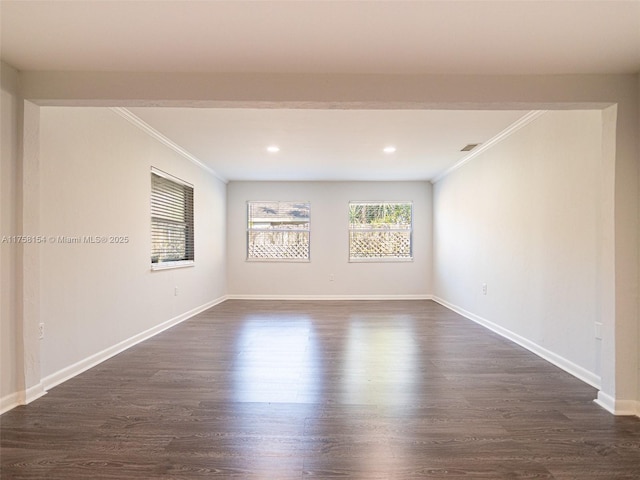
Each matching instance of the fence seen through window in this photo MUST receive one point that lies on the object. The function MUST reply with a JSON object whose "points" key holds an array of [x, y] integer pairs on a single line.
{"points": [[278, 230], [380, 231]]}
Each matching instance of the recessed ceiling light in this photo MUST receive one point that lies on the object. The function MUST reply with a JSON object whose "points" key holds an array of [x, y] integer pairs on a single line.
{"points": [[389, 149], [273, 149]]}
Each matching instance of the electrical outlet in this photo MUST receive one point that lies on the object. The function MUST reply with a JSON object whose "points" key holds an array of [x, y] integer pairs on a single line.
{"points": [[41, 330], [598, 331], [332, 277], [484, 288], [175, 291]]}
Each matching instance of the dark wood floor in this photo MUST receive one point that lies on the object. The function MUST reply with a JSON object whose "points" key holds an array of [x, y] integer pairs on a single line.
{"points": [[290, 390]]}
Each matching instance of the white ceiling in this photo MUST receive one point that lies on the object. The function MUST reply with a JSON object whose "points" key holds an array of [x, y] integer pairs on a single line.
{"points": [[457, 37], [326, 144], [476, 37]]}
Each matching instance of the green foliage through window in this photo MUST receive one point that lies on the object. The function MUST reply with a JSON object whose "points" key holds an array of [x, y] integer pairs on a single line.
{"points": [[380, 230]]}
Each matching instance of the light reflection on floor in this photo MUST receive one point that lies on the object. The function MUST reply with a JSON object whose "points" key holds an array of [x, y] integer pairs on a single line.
{"points": [[380, 362], [277, 360], [280, 359], [272, 370]]}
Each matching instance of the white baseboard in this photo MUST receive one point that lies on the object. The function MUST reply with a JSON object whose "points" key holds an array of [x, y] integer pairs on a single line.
{"points": [[327, 297], [606, 401], [77, 368], [617, 407], [35, 392], [10, 401], [559, 361]]}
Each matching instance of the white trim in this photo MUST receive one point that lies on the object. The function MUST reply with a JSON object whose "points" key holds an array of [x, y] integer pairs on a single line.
{"points": [[250, 229], [23, 397], [351, 230], [617, 407], [606, 401], [89, 362], [559, 361], [381, 202], [34, 392], [327, 297], [511, 129], [168, 265], [278, 260], [152, 132], [11, 401], [380, 259], [168, 176]]}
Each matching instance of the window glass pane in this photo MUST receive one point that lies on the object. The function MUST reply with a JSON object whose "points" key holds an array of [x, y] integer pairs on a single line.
{"points": [[380, 230], [380, 215], [278, 230], [380, 244]]}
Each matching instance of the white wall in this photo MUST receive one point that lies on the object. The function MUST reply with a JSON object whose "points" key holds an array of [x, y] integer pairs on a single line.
{"points": [[329, 242], [618, 94], [10, 351], [95, 180], [524, 218]]}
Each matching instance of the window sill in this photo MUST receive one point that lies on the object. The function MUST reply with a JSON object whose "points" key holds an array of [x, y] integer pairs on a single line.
{"points": [[278, 260], [171, 265], [380, 260]]}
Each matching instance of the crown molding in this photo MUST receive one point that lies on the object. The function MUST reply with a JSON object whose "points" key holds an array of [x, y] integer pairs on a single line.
{"points": [[507, 132], [152, 132]]}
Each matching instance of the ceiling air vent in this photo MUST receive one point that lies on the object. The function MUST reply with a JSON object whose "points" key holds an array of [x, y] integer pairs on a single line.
{"points": [[469, 147]]}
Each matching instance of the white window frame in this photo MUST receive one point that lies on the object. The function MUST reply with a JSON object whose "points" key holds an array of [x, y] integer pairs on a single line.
{"points": [[363, 228], [189, 223], [252, 229]]}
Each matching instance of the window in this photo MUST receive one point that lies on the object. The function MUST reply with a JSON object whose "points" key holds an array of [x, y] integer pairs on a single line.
{"points": [[171, 221], [380, 231], [278, 231]]}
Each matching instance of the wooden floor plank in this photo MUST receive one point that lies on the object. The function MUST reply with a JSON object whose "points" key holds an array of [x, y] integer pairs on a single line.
{"points": [[304, 389]]}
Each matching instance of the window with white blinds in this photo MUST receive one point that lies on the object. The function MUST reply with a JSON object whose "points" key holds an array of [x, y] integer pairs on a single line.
{"points": [[380, 231], [278, 231], [171, 221]]}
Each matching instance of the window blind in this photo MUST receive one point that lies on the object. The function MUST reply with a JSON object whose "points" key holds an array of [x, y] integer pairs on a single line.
{"points": [[172, 229]]}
